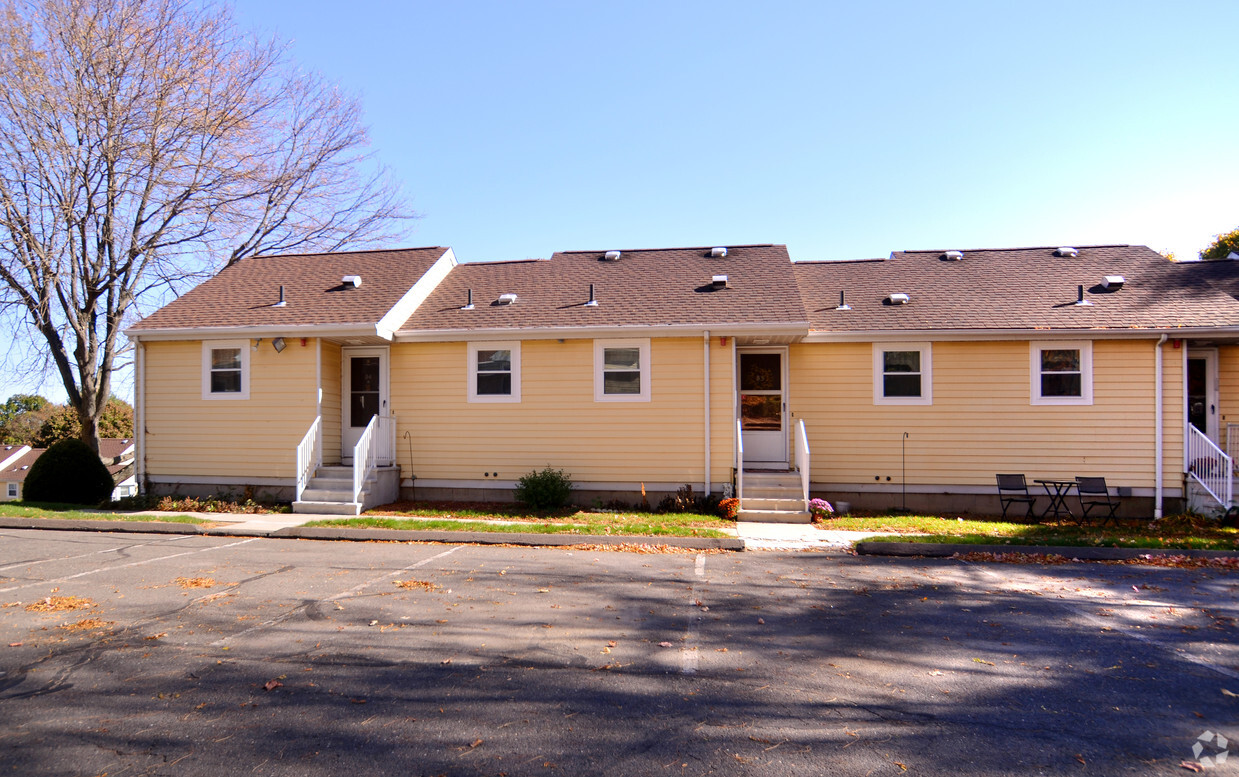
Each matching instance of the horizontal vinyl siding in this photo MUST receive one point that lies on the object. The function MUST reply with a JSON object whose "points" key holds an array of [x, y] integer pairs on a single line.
{"points": [[557, 422], [256, 437], [981, 421]]}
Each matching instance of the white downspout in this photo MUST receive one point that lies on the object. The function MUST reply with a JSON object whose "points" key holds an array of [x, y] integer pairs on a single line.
{"points": [[706, 341], [735, 416], [140, 400], [318, 405], [1158, 434]]}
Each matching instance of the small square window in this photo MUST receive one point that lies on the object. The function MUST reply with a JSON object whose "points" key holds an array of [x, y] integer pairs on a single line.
{"points": [[1061, 373], [495, 372], [225, 370], [13, 490], [902, 374], [622, 370]]}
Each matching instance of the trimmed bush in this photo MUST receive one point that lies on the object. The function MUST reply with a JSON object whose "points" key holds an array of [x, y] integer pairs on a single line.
{"points": [[68, 472], [545, 490]]}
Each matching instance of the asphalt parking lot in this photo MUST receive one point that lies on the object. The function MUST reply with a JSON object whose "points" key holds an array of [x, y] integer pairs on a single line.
{"points": [[195, 655]]}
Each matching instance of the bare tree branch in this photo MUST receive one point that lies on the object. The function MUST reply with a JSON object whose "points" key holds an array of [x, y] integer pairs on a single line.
{"points": [[144, 142]]}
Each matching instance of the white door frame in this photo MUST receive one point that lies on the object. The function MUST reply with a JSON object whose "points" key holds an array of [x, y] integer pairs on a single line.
{"points": [[1210, 357], [348, 436], [781, 458]]}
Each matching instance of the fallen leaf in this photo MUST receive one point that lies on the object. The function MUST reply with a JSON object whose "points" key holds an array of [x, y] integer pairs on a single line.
{"points": [[358, 701], [1224, 691], [1191, 766], [665, 644], [411, 583], [15, 644], [761, 621], [1080, 757], [983, 661], [60, 604], [195, 582], [374, 623], [271, 685]]}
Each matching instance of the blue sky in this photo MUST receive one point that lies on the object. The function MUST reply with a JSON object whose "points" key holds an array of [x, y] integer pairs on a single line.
{"points": [[843, 130]]}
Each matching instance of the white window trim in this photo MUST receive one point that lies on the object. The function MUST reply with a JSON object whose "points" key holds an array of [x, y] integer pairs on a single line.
{"points": [[13, 491], [643, 346], [512, 345], [927, 374], [207, 347], [1085, 347]]}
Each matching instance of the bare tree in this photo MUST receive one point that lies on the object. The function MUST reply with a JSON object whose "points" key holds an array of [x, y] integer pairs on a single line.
{"points": [[144, 141]]}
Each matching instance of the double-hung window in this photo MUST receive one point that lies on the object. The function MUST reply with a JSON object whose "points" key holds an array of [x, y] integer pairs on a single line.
{"points": [[225, 369], [622, 370], [902, 374], [495, 372], [12, 490], [1062, 373]]}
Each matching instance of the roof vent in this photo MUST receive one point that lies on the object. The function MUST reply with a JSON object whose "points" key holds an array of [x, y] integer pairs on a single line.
{"points": [[1113, 282], [953, 256], [843, 303], [898, 298], [593, 301], [611, 256], [718, 252], [351, 281], [719, 281], [506, 299], [281, 303], [1066, 251], [1232, 256], [1080, 297], [468, 301]]}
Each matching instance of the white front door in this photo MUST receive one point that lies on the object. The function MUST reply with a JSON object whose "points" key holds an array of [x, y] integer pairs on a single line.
{"points": [[365, 394], [1202, 386], [763, 405]]}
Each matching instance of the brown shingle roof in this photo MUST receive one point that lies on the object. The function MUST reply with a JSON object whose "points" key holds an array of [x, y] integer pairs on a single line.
{"points": [[111, 448], [649, 287], [18, 470], [245, 294], [1016, 289]]}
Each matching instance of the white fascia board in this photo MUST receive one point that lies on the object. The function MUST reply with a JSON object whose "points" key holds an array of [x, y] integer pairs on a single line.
{"points": [[416, 295], [791, 329], [18, 452], [228, 332], [937, 335]]}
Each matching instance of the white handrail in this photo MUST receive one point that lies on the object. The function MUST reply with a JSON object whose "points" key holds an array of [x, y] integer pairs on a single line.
{"points": [[309, 455], [1209, 466], [364, 457], [385, 451], [739, 460], [802, 460]]}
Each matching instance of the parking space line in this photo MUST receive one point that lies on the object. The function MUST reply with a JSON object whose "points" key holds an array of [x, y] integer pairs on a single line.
{"points": [[125, 566], [688, 654], [344, 595], [97, 552]]}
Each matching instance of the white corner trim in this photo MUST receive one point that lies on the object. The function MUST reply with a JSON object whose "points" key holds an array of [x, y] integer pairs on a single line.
{"points": [[210, 345], [416, 295], [1085, 347], [643, 347], [471, 382], [925, 349]]}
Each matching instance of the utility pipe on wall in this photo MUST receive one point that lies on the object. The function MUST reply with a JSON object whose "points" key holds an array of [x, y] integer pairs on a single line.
{"points": [[706, 345], [1158, 441]]}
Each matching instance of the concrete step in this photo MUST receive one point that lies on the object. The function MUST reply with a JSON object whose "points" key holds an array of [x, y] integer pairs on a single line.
{"points": [[328, 494], [331, 484], [782, 504], [756, 492], [774, 516], [327, 508], [772, 479]]}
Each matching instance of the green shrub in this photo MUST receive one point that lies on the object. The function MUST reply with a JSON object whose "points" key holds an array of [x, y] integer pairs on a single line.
{"points": [[68, 472], [545, 490]]}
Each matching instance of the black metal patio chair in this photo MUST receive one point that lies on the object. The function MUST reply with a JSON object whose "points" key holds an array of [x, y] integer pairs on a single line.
{"points": [[1014, 488], [1095, 495]]}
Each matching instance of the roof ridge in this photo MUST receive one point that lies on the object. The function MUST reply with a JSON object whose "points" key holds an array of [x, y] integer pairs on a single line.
{"points": [[840, 261], [337, 253], [1016, 248], [672, 248], [492, 262]]}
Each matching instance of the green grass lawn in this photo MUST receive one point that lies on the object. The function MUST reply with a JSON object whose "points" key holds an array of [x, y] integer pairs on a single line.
{"points": [[77, 512], [1180, 531], [419, 516]]}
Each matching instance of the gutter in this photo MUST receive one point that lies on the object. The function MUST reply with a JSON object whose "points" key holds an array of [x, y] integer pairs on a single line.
{"points": [[797, 329], [897, 335], [1158, 434]]}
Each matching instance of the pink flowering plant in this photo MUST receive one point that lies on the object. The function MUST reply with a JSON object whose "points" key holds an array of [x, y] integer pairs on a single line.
{"points": [[820, 509]]}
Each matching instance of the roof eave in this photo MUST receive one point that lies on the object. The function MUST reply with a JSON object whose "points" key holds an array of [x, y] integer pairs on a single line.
{"points": [[266, 330], [790, 329]]}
